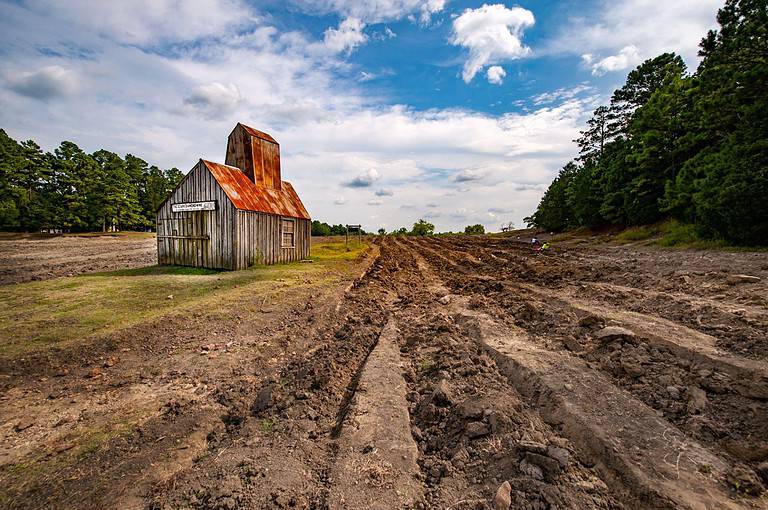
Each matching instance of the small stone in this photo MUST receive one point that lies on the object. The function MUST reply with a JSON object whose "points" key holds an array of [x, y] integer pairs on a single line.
{"points": [[442, 395], [549, 466], [477, 429], [95, 373], [561, 455], [444, 300], [612, 333], [697, 400], [673, 392], [533, 447], [170, 296], [503, 498], [531, 470]]}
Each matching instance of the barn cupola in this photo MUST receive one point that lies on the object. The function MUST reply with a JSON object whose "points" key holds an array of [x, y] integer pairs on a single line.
{"points": [[255, 153]]}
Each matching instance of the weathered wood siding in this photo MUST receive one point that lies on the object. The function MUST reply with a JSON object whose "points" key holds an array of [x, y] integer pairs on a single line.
{"points": [[259, 239], [200, 238]]}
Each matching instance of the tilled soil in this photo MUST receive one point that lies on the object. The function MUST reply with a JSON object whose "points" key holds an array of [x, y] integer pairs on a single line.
{"points": [[467, 372], [26, 257]]}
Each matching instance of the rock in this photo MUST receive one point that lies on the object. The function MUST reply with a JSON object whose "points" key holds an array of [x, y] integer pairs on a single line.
{"points": [[263, 400], [442, 395], [499, 422], [697, 400], [23, 424], [632, 369], [531, 470], [613, 333], [735, 279], [550, 467], [561, 455], [170, 296], [95, 373], [673, 392], [744, 480], [111, 361], [533, 447], [477, 429], [503, 498], [591, 321], [444, 300]]}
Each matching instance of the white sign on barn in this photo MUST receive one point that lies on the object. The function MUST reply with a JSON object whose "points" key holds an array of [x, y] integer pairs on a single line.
{"points": [[194, 206]]}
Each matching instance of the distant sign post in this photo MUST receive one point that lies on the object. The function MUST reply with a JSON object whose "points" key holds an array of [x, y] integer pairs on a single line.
{"points": [[194, 206], [359, 233]]}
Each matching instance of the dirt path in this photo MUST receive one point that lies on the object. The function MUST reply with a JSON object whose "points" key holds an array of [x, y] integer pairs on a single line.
{"points": [[459, 373]]}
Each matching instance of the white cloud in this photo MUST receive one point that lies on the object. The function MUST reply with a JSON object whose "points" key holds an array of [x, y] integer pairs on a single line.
{"points": [[384, 193], [612, 25], [492, 34], [346, 38], [628, 57], [45, 83], [215, 100], [340, 201], [375, 201], [561, 94], [374, 11], [148, 21], [364, 180], [496, 75]]}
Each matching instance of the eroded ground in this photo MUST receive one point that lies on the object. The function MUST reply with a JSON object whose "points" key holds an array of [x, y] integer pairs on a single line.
{"points": [[461, 372]]}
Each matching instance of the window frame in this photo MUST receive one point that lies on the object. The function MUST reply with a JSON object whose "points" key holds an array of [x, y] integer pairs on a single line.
{"points": [[282, 233]]}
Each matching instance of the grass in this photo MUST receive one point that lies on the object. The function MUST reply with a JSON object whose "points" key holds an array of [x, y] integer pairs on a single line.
{"points": [[676, 235], [39, 315]]}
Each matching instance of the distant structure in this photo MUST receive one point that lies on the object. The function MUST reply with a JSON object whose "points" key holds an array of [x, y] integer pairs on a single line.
{"points": [[234, 215]]}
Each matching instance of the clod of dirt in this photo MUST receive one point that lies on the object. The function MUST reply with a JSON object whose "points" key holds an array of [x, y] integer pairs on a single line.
{"points": [[550, 467], [561, 455], [442, 394], [477, 429], [697, 400], [23, 424], [503, 498], [762, 470], [445, 300], [533, 447], [744, 480]]}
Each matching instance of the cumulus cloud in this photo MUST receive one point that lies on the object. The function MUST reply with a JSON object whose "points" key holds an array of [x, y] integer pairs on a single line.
{"points": [[346, 38], [364, 180], [340, 201], [492, 34], [45, 83], [496, 75], [375, 201], [467, 176], [384, 193], [628, 57], [215, 100]]}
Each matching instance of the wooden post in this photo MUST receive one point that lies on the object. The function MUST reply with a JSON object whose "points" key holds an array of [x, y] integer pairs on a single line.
{"points": [[346, 236]]}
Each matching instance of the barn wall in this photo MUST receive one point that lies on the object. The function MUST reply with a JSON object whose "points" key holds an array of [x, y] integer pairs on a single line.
{"points": [[181, 237], [259, 238]]}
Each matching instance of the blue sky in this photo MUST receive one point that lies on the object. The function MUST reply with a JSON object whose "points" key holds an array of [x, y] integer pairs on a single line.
{"points": [[387, 111]]}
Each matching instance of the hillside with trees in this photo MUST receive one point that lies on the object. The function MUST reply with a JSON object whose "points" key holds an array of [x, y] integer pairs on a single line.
{"points": [[73, 191], [690, 147]]}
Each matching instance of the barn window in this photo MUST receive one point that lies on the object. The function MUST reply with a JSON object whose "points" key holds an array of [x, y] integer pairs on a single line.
{"points": [[288, 233]]}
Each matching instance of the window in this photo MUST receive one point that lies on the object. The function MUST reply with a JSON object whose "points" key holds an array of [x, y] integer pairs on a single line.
{"points": [[288, 233]]}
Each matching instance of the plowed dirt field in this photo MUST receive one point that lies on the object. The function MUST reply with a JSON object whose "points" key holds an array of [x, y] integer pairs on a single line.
{"points": [[458, 372]]}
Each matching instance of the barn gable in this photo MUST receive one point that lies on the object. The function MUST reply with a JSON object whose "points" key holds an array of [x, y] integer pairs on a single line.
{"points": [[256, 154]]}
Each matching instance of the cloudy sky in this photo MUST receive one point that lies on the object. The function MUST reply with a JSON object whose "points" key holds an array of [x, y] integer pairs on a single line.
{"points": [[386, 111]]}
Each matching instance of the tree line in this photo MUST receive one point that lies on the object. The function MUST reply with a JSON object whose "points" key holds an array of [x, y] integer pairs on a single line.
{"points": [[70, 190], [691, 147]]}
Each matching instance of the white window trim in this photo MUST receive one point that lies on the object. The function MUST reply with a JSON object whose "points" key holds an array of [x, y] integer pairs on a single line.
{"points": [[293, 237]]}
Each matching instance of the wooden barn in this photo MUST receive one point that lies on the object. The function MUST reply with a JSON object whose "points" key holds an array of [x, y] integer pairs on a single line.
{"points": [[234, 215]]}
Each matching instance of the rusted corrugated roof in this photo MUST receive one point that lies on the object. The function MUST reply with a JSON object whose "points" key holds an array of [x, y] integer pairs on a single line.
{"points": [[247, 196], [257, 133]]}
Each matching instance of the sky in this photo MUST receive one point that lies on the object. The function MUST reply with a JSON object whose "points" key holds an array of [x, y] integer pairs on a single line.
{"points": [[386, 111]]}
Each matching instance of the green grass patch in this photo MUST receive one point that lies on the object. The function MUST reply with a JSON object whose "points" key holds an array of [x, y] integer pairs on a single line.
{"points": [[39, 315]]}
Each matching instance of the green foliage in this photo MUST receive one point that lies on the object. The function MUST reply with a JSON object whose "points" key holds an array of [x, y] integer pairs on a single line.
{"points": [[422, 228], [320, 229], [693, 148], [382, 231], [474, 229], [73, 191]]}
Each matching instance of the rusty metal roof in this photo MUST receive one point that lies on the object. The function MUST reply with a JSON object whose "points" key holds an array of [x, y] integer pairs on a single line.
{"points": [[247, 196], [257, 133]]}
